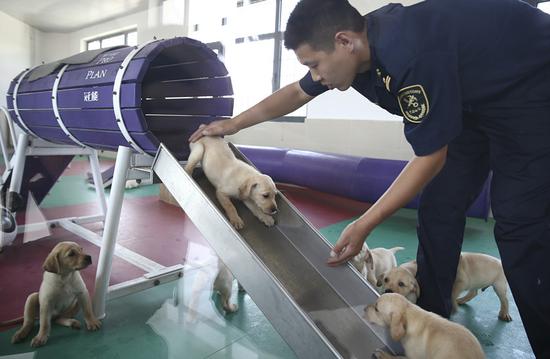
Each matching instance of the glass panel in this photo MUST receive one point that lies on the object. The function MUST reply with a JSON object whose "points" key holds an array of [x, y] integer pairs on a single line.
{"points": [[253, 18], [94, 45], [288, 6], [291, 71], [173, 12], [250, 65], [112, 41], [205, 19], [132, 38], [544, 6]]}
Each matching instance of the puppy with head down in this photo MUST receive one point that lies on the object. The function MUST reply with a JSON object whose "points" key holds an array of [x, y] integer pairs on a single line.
{"points": [[61, 294], [233, 178], [423, 334]]}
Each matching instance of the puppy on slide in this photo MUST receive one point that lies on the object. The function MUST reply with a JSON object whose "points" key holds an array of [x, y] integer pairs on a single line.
{"points": [[233, 178]]}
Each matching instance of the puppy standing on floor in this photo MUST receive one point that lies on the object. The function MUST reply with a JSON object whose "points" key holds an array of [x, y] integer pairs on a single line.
{"points": [[61, 294], [422, 334], [233, 178], [475, 271]]}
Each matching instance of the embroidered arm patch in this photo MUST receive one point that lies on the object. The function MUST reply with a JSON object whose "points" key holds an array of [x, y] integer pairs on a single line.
{"points": [[414, 103]]}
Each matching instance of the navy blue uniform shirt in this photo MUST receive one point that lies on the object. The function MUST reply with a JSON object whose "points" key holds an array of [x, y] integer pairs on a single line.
{"points": [[435, 60]]}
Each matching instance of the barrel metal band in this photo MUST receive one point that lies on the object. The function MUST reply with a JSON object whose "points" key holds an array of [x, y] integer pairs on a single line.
{"points": [[116, 97], [56, 109], [15, 108]]}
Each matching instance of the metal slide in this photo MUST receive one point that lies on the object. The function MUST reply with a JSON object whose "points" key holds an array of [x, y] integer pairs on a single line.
{"points": [[315, 308]]}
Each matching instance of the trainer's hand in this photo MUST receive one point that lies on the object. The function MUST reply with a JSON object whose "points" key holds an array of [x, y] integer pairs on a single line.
{"points": [[348, 245], [216, 128]]}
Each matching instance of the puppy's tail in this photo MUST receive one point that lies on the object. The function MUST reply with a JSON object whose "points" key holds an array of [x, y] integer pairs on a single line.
{"points": [[11, 322], [197, 151], [396, 249]]}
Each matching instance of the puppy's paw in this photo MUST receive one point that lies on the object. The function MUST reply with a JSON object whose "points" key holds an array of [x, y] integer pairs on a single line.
{"points": [[268, 221], [93, 324], [380, 354], [75, 324], [18, 336], [231, 308], [39, 340], [505, 317], [131, 184], [237, 222]]}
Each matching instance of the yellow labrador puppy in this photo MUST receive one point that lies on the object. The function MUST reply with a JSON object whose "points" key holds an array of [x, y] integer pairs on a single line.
{"points": [[61, 294], [233, 178], [401, 280], [373, 263], [423, 334], [475, 271]]}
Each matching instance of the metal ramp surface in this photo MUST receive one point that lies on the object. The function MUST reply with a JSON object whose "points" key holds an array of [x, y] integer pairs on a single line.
{"points": [[315, 308]]}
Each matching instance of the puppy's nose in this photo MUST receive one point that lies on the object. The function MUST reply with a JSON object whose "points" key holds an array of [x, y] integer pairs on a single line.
{"points": [[388, 291], [88, 259], [274, 210]]}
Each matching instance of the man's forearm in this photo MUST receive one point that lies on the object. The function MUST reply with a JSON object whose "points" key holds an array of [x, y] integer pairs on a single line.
{"points": [[416, 174]]}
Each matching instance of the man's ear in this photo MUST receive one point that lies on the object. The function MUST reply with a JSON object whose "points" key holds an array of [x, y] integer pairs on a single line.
{"points": [[344, 38], [245, 190], [51, 264]]}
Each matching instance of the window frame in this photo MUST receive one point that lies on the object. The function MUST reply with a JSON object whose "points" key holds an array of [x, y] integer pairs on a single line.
{"points": [[113, 34]]}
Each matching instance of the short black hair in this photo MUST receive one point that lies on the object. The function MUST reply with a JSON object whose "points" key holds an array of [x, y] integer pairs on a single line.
{"points": [[315, 22]]}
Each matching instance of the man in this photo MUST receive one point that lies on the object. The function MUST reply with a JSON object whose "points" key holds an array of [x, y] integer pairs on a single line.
{"points": [[471, 79]]}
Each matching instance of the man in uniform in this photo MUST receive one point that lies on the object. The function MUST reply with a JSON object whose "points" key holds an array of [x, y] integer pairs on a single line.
{"points": [[471, 79]]}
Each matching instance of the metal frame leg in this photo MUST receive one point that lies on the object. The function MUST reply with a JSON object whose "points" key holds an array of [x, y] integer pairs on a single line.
{"points": [[98, 181], [19, 165], [108, 243]]}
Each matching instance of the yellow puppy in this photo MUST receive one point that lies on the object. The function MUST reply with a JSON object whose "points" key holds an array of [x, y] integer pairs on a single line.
{"points": [[61, 294], [422, 334], [233, 178]]}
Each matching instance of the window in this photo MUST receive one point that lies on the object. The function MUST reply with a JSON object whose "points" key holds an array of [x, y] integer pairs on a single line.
{"points": [[544, 6], [251, 36], [122, 38]]}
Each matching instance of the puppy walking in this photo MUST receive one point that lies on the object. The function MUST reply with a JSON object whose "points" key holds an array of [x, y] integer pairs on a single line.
{"points": [[61, 294], [423, 334], [373, 263], [475, 271], [233, 178]]}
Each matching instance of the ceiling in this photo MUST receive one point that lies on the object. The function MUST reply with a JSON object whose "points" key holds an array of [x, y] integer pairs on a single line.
{"points": [[69, 15]]}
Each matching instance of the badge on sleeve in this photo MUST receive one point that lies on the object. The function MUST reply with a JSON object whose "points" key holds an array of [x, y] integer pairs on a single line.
{"points": [[414, 103]]}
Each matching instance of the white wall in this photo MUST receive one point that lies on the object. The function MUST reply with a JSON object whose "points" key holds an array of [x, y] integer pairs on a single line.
{"points": [[17, 52]]}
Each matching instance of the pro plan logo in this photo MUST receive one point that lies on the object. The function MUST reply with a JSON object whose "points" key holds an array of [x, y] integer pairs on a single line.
{"points": [[414, 103]]}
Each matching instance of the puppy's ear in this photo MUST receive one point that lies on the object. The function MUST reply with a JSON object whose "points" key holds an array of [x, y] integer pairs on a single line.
{"points": [[398, 325], [416, 288], [380, 280], [245, 190], [369, 260], [51, 264]]}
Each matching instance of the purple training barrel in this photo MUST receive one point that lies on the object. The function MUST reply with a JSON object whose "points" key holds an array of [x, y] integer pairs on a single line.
{"points": [[137, 97], [361, 178]]}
